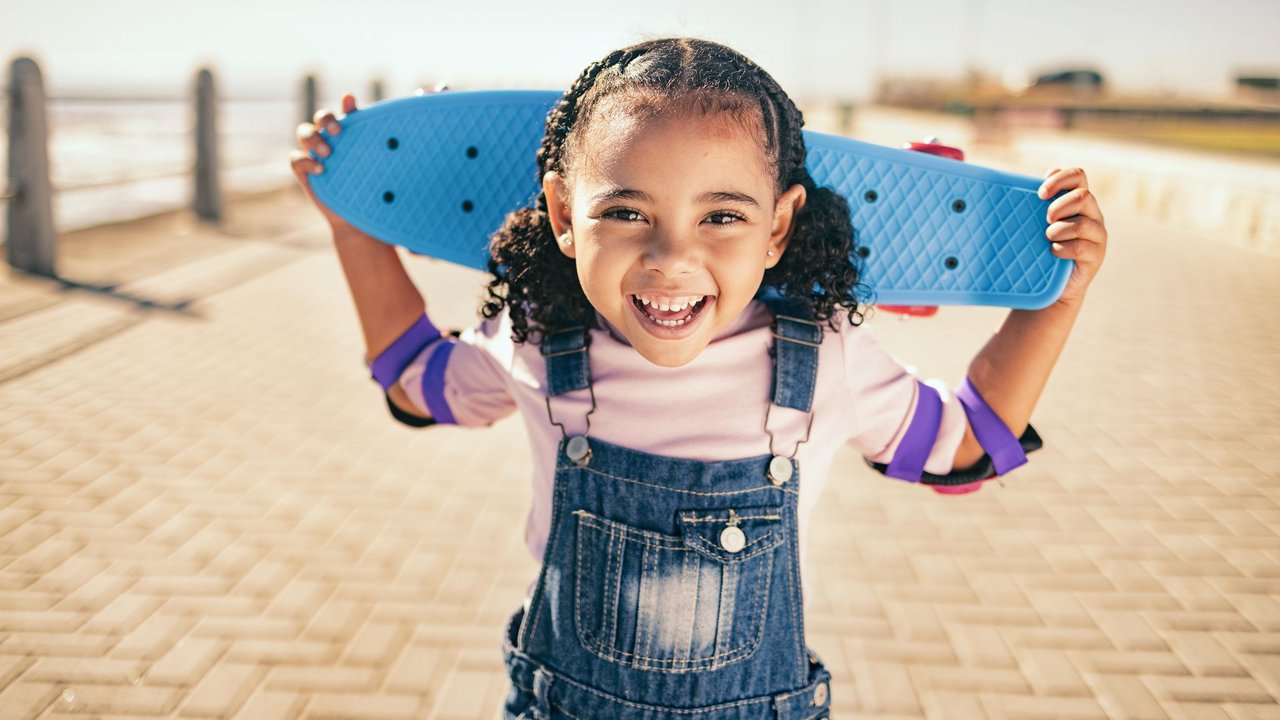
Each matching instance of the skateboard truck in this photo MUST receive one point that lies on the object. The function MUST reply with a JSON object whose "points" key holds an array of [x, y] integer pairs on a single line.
{"points": [[929, 145]]}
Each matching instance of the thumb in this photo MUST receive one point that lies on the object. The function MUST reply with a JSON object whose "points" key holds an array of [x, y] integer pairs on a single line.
{"points": [[348, 104]]}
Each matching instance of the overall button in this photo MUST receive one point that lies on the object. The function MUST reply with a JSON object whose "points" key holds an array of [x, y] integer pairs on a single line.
{"points": [[779, 469], [732, 539], [820, 694], [578, 450]]}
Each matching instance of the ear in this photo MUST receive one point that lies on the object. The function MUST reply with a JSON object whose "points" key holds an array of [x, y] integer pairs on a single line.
{"points": [[784, 214], [558, 211]]}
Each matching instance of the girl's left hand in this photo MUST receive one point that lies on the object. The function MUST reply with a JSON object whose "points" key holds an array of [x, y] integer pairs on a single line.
{"points": [[1076, 228]]}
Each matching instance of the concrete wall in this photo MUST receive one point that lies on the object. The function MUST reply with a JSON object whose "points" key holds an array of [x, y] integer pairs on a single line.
{"points": [[1221, 197]]}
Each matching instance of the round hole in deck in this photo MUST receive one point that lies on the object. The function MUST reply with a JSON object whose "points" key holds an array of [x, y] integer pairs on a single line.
{"points": [[393, 143], [958, 206], [388, 196], [467, 206], [870, 196], [951, 263], [864, 251], [472, 152]]}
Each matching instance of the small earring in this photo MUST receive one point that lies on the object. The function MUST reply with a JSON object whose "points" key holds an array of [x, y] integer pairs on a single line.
{"points": [[567, 239], [770, 253]]}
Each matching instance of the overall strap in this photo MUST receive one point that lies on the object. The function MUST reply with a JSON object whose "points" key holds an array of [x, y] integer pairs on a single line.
{"points": [[797, 338], [566, 355]]}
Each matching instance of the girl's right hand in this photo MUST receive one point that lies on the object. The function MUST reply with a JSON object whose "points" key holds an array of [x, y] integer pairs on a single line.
{"points": [[304, 166]]}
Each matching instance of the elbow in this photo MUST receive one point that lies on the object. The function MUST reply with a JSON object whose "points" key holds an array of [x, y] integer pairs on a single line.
{"points": [[969, 452]]}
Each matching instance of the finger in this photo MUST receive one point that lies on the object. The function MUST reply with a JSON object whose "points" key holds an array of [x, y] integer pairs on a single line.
{"points": [[1077, 227], [301, 162], [1069, 249], [311, 140], [1075, 202], [325, 119], [1050, 172], [1060, 180], [348, 104]]}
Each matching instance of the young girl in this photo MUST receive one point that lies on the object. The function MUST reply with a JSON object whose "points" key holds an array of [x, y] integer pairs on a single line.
{"points": [[677, 320]]}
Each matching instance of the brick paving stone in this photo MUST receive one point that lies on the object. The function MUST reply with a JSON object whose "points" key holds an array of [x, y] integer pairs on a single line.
{"points": [[465, 694], [1029, 707], [1196, 711], [1051, 672], [360, 706], [22, 699], [1203, 654], [952, 706], [1210, 689], [271, 706], [222, 690], [1252, 712], [1129, 630], [1125, 697]]}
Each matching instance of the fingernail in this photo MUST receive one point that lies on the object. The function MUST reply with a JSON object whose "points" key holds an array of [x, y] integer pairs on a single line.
{"points": [[333, 128], [323, 151]]}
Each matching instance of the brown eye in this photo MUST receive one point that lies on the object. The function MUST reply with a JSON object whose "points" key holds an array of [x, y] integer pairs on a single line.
{"points": [[724, 218], [623, 214]]}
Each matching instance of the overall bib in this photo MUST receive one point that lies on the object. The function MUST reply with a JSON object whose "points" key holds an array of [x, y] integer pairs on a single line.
{"points": [[670, 588]]}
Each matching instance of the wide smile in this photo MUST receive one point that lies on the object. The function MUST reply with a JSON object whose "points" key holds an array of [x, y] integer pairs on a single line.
{"points": [[670, 317]]}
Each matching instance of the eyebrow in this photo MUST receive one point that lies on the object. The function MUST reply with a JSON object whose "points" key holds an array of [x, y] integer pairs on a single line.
{"points": [[707, 197]]}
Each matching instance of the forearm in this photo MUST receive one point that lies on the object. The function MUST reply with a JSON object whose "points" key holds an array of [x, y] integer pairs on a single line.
{"points": [[386, 300], [1013, 367]]}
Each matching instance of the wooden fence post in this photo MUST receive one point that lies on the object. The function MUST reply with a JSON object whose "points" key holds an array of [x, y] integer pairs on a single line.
{"points": [[32, 243], [207, 203], [375, 90], [309, 98]]}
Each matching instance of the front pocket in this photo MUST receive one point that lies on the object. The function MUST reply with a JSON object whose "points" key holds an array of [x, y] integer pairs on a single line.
{"points": [[692, 601]]}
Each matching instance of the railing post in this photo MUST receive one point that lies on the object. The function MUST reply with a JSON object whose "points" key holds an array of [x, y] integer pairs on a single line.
{"points": [[308, 98], [375, 90], [207, 203], [32, 243]]}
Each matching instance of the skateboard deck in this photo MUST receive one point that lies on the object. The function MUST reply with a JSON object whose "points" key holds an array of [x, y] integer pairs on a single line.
{"points": [[437, 173]]}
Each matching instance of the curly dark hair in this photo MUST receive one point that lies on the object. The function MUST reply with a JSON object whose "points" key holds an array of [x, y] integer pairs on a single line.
{"points": [[539, 285]]}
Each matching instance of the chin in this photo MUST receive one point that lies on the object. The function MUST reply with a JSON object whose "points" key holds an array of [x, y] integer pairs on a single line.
{"points": [[670, 357]]}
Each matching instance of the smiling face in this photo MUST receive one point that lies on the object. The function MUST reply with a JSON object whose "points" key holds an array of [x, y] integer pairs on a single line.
{"points": [[672, 220]]}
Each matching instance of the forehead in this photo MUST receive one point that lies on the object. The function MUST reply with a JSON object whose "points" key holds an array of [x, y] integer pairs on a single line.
{"points": [[619, 129]]}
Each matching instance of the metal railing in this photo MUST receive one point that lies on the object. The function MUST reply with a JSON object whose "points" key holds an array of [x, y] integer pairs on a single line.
{"points": [[28, 193]]}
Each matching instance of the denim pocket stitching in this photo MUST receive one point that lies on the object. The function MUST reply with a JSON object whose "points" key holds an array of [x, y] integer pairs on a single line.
{"points": [[617, 532]]}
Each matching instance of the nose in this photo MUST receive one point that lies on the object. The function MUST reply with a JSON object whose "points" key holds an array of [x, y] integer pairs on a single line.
{"points": [[671, 253]]}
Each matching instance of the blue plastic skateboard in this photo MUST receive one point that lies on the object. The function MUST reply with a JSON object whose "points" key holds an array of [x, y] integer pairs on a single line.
{"points": [[437, 173]]}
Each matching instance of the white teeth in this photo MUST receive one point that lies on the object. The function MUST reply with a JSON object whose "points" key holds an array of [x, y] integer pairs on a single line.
{"points": [[677, 304]]}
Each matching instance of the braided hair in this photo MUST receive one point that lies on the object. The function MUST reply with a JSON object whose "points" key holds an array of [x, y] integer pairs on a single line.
{"points": [[539, 286]]}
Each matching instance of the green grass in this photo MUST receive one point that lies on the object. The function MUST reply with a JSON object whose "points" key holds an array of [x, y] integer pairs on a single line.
{"points": [[1255, 140]]}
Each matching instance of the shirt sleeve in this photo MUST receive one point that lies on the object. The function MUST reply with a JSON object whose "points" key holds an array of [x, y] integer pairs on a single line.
{"points": [[465, 380], [884, 394]]}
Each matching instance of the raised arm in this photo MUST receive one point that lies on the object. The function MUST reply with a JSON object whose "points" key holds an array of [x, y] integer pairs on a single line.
{"points": [[1011, 370], [386, 300]]}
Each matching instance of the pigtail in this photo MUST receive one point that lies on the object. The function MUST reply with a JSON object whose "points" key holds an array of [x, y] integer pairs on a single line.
{"points": [[531, 277], [818, 269]]}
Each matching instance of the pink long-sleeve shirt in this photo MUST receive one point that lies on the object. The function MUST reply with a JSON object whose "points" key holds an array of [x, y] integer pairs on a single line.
{"points": [[711, 409]]}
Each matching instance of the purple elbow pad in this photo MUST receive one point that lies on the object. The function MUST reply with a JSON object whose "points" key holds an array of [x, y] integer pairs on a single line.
{"points": [[908, 460], [433, 383], [993, 435], [390, 363]]}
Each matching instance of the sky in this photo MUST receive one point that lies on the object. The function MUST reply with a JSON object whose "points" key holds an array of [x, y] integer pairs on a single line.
{"points": [[815, 49]]}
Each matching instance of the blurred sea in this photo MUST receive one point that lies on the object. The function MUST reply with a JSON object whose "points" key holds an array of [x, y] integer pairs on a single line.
{"points": [[124, 146]]}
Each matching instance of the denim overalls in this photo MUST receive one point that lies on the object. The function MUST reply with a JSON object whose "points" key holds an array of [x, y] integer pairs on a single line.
{"points": [[670, 588]]}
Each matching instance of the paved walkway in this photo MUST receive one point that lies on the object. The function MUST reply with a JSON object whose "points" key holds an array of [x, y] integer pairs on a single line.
{"points": [[205, 510]]}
